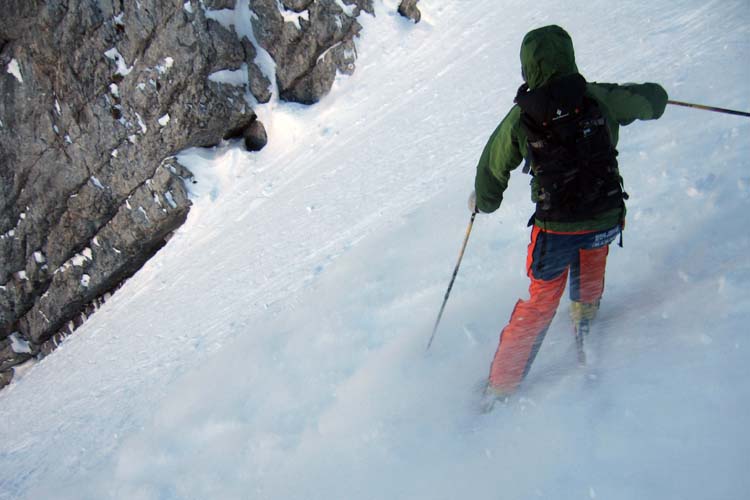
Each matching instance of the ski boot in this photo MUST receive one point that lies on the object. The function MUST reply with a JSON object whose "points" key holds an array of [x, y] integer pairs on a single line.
{"points": [[582, 314], [492, 396]]}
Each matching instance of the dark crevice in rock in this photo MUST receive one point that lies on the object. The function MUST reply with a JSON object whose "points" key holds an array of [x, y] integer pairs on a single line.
{"points": [[238, 131]]}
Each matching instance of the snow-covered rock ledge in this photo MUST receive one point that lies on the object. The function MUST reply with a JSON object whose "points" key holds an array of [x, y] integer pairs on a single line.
{"points": [[94, 96]]}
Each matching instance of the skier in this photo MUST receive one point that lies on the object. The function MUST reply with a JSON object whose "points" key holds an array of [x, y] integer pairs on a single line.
{"points": [[566, 129]]}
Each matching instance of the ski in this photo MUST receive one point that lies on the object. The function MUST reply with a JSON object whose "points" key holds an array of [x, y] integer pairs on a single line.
{"points": [[581, 331]]}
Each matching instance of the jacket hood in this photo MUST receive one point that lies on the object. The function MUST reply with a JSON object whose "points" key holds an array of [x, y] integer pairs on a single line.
{"points": [[546, 54]]}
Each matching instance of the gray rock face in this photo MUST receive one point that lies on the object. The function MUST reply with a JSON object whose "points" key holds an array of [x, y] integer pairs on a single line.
{"points": [[309, 53], [95, 97]]}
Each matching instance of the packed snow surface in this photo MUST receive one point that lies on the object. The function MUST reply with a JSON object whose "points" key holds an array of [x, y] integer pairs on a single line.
{"points": [[275, 348]]}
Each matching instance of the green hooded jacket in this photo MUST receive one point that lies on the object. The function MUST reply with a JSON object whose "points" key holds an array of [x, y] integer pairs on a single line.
{"points": [[547, 54]]}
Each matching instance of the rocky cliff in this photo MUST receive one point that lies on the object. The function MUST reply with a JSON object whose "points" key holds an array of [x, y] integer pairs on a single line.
{"points": [[95, 98]]}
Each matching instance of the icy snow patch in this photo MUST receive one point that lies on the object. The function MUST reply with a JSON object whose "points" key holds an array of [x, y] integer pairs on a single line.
{"points": [[19, 345], [145, 215], [122, 67], [225, 17], [243, 26], [96, 182], [163, 68], [77, 260], [294, 17], [15, 70], [170, 199], [140, 123], [164, 120], [348, 9], [214, 177], [236, 77]]}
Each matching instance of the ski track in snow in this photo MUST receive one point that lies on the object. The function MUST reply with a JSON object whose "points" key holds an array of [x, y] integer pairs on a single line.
{"points": [[274, 349]]}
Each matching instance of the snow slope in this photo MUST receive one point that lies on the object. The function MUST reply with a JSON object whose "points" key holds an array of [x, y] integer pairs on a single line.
{"points": [[274, 349]]}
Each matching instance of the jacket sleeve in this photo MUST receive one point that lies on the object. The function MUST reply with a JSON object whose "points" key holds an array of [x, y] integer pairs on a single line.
{"points": [[500, 156], [632, 101]]}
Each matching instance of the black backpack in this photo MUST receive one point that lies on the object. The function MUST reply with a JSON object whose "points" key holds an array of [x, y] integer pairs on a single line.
{"points": [[569, 151]]}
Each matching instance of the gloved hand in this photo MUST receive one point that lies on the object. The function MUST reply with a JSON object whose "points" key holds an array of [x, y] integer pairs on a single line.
{"points": [[473, 203]]}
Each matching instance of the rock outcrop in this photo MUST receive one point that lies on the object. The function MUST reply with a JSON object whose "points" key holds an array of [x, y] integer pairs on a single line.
{"points": [[94, 97], [312, 47], [409, 9]]}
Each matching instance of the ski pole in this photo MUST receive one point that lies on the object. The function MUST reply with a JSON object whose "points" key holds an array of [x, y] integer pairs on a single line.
{"points": [[709, 108], [455, 272]]}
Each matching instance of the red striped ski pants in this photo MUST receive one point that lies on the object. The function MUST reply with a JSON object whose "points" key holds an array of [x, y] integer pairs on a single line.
{"points": [[551, 257]]}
